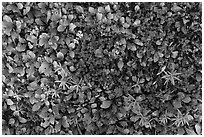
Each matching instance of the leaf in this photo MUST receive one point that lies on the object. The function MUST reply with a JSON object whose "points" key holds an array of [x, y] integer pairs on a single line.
{"points": [[9, 102], [187, 99], [174, 54], [158, 42], [92, 10], [107, 8], [134, 118], [198, 129], [72, 54], [190, 131], [65, 123], [61, 28], [181, 131], [52, 119], [58, 126], [60, 55], [13, 107], [36, 106], [110, 16], [7, 27], [43, 67], [138, 42], [7, 18], [46, 123], [137, 22], [177, 104], [181, 95], [99, 16], [72, 26], [49, 15], [190, 117], [79, 9], [10, 93], [21, 47], [31, 54], [106, 104], [198, 77], [156, 57], [176, 8], [120, 64], [11, 121], [43, 40], [55, 109], [71, 45], [20, 5], [22, 120], [70, 17]]}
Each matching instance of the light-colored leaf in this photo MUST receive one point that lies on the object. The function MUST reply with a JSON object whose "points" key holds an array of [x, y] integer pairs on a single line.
{"points": [[43, 67], [10, 93], [190, 117], [11, 121], [92, 10], [9, 102], [106, 104], [187, 99], [99, 16], [7, 18], [60, 55], [72, 54], [174, 54], [36, 106], [45, 124], [72, 26], [79, 9], [137, 22], [134, 118], [138, 42], [13, 107], [58, 126], [71, 45], [120, 64], [65, 123], [156, 57], [107, 8], [21, 47], [61, 28], [198, 129], [190, 132], [22, 120], [177, 104]]}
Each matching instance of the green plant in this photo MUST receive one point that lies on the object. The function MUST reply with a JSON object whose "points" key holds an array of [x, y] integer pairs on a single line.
{"points": [[171, 76], [165, 117], [180, 119]]}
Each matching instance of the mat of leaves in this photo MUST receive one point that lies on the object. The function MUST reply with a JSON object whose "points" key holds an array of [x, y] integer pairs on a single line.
{"points": [[101, 68]]}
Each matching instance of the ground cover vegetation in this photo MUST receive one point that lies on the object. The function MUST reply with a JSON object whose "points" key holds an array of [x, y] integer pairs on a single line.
{"points": [[105, 68]]}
